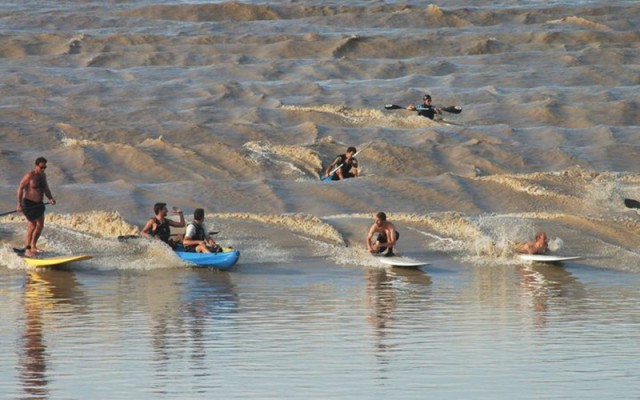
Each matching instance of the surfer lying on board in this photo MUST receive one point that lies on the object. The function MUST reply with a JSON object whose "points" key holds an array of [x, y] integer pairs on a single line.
{"points": [[426, 109], [31, 191], [159, 227], [387, 236], [539, 246], [346, 164], [196, 238]]}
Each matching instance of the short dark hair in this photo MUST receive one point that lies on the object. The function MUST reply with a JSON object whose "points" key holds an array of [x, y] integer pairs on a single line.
{"points": [[198, 213], [158, 207], [426, 97], [351, 149], [382, 216], [41, 160]]}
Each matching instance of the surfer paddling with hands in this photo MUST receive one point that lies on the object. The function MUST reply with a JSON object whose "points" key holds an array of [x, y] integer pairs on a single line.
{"points": [[387, 236], [159, 227], [539, 246], [31, 191]]}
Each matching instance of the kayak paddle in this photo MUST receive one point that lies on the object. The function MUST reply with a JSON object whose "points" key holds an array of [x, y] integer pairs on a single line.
{"points": [[450, 109], [24, 208]]}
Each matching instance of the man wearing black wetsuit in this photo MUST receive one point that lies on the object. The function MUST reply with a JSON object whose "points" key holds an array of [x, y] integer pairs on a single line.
{"points": [[159, 227], [347, 166], [426, 109]]}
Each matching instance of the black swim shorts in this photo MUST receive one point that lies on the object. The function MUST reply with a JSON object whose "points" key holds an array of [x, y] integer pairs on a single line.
{"points": [[382, 239], [32, 210]]}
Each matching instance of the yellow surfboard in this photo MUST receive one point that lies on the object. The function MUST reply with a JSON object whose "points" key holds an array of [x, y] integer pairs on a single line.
{"points": [[53, 261]]}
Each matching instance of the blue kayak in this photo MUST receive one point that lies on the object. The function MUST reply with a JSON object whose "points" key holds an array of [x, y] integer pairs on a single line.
{"points": [[223, 260]]}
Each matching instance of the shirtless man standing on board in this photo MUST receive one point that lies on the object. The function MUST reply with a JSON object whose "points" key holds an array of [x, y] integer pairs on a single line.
{"points": [[387, 236], [31, 191]]}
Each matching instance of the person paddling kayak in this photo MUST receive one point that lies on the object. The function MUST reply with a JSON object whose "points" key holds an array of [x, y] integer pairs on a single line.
{"points": [[196, 238], [159, 227], [346, 164], [426, 109]]}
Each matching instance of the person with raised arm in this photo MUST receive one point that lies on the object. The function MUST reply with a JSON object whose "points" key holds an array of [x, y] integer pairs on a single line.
{"points": [[159, 227]]}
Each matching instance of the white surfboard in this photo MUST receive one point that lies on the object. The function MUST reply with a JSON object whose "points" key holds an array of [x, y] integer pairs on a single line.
{"points": [[547, 257], [402, 262]]}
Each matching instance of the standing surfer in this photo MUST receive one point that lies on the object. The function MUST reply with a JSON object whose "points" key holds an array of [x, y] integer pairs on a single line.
{"points": [[31, 191]]}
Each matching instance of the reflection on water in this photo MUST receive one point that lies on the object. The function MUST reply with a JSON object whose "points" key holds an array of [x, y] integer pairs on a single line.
{"points": [[382, 298], [184, 320], [546, 285], [43, 291], [385, 288], [277, 331]]}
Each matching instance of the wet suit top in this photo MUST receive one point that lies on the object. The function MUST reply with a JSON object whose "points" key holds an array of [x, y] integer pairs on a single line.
{"points": [[200, 234], [426, 111], [346, 166], [163, 230]]}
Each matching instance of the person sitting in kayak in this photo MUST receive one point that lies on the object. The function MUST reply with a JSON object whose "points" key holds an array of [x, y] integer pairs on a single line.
{"points": [[426, 109], [197, 238], [347, 163], [539, 246], [386, 238], [159, 227]]}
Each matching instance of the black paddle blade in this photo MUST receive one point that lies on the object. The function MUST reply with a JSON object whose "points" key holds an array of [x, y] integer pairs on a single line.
{"points": [[631, 203], [393, 107], [453, 109], [124, 238]]}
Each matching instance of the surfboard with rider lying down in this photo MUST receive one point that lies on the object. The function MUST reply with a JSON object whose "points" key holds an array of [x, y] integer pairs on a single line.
{"points": [[547, 258]]}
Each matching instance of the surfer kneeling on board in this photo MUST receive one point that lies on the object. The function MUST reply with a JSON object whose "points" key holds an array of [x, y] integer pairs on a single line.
{"points": [[345, 166], [539, 246], [426, 109], [387, 236]]}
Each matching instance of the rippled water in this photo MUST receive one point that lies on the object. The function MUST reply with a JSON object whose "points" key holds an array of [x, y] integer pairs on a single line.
{"points": [[318, 331]]}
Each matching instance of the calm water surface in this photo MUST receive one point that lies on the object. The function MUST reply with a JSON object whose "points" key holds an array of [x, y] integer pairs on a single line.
{"points": [[308, 330]]}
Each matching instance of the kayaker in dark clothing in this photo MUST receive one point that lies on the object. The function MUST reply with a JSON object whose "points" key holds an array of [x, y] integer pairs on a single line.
{"points": [[426, 109], [196, 238], [348, 166], [159, 227]]}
